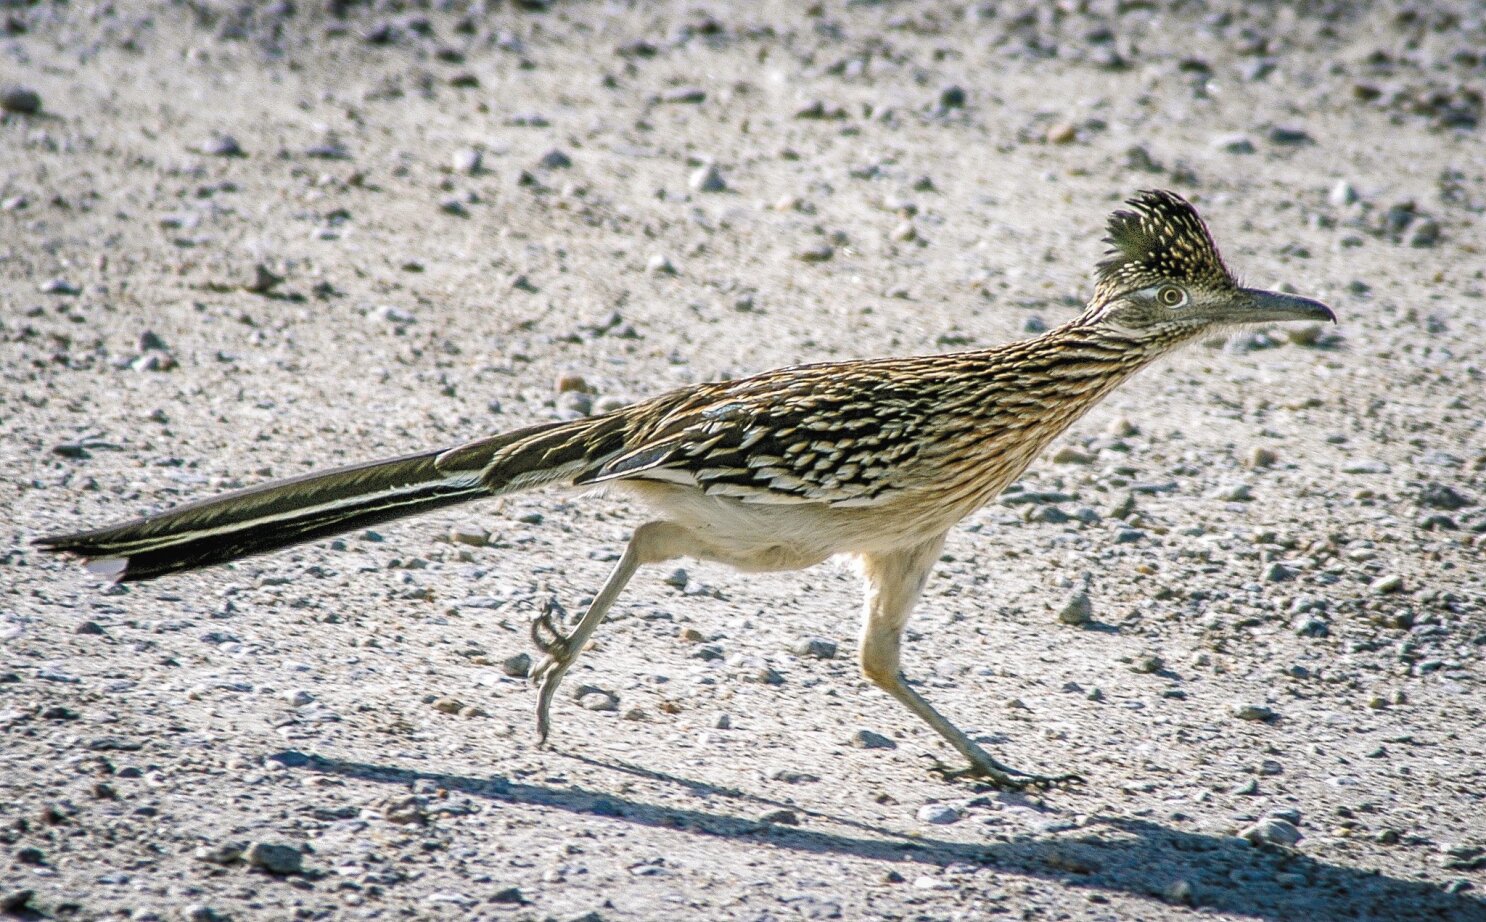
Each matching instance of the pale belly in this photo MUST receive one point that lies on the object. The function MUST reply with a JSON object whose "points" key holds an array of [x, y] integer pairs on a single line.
{"points": [[762, 537]]}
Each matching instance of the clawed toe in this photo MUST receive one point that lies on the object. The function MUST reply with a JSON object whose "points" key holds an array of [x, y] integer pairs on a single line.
{"points": [[546, 636], [1007, 779]]}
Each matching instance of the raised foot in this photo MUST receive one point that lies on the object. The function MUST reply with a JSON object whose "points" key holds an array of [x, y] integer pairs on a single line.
{"points": [[1008, 779], [547, 636], [548, 673]]}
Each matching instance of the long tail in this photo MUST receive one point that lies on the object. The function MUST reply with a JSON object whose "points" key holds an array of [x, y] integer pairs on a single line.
{"points": [[288, 512]]}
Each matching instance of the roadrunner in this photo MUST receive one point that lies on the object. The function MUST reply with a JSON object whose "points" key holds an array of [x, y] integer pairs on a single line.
{"points": [[875, 458]]}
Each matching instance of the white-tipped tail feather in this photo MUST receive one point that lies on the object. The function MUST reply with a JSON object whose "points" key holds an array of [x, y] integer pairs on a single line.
{"points": [[288, 512]]}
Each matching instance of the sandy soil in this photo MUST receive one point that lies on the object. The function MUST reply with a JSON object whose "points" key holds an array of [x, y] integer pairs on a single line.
{"points": [[470, 219]]}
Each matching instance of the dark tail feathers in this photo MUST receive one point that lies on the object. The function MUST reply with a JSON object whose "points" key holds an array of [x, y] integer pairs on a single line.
{"points": [[268, 517]]}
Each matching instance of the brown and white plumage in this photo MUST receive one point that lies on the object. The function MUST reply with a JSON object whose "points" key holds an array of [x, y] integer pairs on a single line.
{"points": [[875, 458]]}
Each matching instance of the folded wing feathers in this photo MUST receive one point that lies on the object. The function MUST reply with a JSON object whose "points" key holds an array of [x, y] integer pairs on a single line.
{"points": [[680, 438]]}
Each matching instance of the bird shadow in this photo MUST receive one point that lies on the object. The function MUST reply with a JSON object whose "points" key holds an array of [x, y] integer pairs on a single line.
{"points": [[1106, 855]]}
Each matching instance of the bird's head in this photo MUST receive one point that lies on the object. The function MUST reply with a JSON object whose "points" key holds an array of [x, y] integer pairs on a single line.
{"points": [[1163, 279]]}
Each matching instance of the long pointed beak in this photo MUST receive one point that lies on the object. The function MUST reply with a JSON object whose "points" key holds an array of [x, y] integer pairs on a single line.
{"points": [[1265, 306]]}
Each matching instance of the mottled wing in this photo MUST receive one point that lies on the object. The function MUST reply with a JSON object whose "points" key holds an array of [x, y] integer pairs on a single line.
{"points": [[812, 434]]}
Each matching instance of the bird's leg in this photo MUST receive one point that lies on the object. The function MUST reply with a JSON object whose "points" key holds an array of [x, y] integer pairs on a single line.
{"points": [[652, 542], [894, 581]]}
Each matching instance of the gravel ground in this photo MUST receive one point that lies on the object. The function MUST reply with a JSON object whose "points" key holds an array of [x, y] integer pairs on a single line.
{"points": [[1244, 597]]}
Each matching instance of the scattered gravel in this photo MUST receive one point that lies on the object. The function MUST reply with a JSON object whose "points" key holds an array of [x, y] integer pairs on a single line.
{"points": [[246, 241]]}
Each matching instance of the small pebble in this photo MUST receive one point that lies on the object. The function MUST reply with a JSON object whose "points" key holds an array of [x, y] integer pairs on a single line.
{"points": [[448, 705], [816, 648], [298, 697], [507, 895], [819, 109], [791, 776], [938, 814], [1254, 712], [1147, 663], [1180, 891], [1311, 626], [472, 535], [684, 95], [221, 145], [599, 701], [1078, 610], [866, 739], [467, 161], [1387, 585], [660, 264], [780, 817], [328, 150], [816, 253], [1289, 136], [275, 858], [223, 853], [572, 382], [952, 97], [1424, 233], [1140, 159], [1062, 133], [394, 315], [1233, 493], [707, 178], [58, 286], [1366, 466], [1271, 830], [1342, 194], [1071, 455], [555, 160], [765, 676], [262, 280], [1443, 496], [517, 665], [1234, 144], [1277, 572], [21, 100], [17, 902], [1260, 457]]}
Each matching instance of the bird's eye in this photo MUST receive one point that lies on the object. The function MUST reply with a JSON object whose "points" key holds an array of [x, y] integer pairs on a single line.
{"points": [[1171, 296]]}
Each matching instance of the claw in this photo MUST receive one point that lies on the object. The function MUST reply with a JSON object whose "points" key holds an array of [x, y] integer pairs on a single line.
{"points": [[1007, 779], [546, 636], [557, 646]]}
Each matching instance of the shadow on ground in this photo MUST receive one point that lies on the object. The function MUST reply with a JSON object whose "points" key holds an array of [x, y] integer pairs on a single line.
{"points": [[1110, 854]]}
